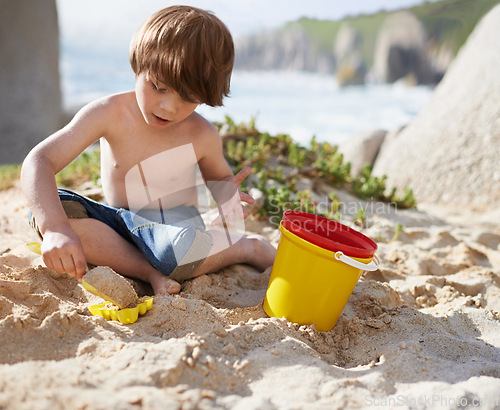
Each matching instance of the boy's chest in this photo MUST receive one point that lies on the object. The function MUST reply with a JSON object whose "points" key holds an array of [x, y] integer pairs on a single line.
{"points": [[141, 176]]}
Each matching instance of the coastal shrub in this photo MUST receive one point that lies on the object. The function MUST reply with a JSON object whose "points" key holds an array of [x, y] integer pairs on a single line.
{"points": [[360, 217], [297, 155], [278, 200], [86, 167], [9, 174], [321, 160], [368, 186], [405, 200], [306, 203], [272, 158], [398, 228], [330, 164]]}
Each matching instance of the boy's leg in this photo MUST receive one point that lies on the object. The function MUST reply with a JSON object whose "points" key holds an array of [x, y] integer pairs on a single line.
{"points": [[104, 246], [255, 251]]}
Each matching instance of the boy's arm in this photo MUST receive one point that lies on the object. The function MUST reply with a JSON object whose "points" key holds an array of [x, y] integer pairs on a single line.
{"points": [[61, 247], [225, 186]]}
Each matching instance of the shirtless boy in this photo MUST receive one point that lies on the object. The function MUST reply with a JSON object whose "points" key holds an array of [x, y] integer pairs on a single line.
{"points": [[150, 139]]}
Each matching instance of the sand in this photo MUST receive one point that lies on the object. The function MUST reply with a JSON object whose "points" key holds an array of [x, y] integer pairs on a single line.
{"points": [[421, 332], [110, 286]]}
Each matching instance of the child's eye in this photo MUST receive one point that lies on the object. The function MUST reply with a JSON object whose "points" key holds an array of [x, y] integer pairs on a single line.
{"points": [[155, 87]]}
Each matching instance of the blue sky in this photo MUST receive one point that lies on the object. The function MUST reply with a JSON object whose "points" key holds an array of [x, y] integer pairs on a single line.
{"points": [[116, 20]]}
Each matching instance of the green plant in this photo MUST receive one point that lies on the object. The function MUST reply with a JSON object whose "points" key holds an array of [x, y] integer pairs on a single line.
{"points": [[231, 151], [244, 145], [398, 228], [321, 161], [86, 167], [330, 165], [406, 200], [262, 178], [368, 186], [297, 155], [229, 121], [360, 217], [333, 209], [305, 202], [9, 174], [315, 146], [278, 200]]}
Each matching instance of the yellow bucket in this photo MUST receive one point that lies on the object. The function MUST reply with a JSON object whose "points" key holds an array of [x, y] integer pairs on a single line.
{"points": [[311, 285]]}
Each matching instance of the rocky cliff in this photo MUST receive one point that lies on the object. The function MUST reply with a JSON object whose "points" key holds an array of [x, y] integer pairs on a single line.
{"points": [[30, 96], [417, 44], [450, 152], [285, 50], [351, 69], [401, 51]]}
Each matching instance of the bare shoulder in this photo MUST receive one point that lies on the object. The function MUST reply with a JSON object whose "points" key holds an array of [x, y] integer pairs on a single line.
{"points": [[210, 151], [204, 133], [106, 108]]}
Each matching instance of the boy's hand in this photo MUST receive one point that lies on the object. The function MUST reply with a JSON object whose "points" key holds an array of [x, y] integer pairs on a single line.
{"points": [[63, 252], [229, 197]]}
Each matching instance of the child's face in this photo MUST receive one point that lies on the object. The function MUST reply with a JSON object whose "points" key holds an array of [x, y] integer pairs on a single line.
{"points": [[159, 105]]}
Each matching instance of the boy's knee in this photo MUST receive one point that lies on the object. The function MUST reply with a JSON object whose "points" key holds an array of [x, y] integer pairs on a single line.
{"points": [[194, 257]]}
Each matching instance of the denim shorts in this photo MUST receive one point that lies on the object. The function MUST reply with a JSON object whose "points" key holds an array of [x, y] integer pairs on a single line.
{"points": [[174, 241]]}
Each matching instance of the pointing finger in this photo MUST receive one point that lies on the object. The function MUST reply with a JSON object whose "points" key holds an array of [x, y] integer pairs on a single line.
{"points": [[246, 198], [240, 176]]}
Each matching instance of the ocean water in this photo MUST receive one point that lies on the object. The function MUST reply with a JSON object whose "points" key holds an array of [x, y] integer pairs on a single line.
{"points": [[297, 103], [306, 104]]}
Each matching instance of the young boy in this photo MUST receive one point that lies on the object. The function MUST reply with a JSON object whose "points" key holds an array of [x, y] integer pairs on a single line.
{"points": [[152, 143]]}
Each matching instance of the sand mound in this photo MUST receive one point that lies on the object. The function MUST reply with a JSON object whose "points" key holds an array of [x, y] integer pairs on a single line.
{"points": [[423, 331]]}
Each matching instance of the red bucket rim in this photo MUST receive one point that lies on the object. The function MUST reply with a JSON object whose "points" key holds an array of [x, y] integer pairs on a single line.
{"points": [[306, 225]]}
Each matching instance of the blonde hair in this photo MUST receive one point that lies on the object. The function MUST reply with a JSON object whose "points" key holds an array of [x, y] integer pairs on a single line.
{"points": [[189, 50]]}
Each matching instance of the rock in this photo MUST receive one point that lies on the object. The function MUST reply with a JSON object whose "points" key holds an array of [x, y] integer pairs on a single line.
{"points": [[346, 41], [30, 97], [351, 69], [450, 152], [362, 148], [282, 50], [400, 50], [351, 72]]}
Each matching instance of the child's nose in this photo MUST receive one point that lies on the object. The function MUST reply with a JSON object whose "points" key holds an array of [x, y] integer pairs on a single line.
{"points": [[169, 105]]}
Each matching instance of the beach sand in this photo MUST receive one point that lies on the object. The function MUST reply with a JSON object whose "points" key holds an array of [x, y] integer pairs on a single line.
{"points": [[421, 332]]}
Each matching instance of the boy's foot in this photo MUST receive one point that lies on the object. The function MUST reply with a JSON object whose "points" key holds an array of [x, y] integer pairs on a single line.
{"points": [[263, 252], [164, 286]]}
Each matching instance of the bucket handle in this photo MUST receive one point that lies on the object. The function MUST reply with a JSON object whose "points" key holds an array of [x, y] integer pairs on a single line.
{"points": [[372, 266]]}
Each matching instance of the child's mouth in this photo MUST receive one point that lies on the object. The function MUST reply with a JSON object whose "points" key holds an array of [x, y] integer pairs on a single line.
{"points": [[160, 120]]}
